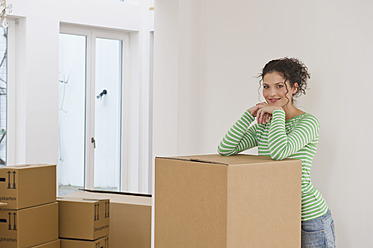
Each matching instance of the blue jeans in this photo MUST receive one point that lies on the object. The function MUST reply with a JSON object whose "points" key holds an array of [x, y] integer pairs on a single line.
{"points": [[319, 232]]}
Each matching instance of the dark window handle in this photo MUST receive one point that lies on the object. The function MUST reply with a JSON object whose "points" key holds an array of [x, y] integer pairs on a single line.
{"points": [[94, 142], [99, 96]]}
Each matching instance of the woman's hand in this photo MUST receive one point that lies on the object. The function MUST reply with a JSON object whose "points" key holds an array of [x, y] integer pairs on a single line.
{"points": [[265, 112], [254, 111]]}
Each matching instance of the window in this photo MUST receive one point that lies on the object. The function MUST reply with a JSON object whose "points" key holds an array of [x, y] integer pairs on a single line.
{"points": [[91, 121], [3, 95], [7, 92], [108, 118], [72, 87]]}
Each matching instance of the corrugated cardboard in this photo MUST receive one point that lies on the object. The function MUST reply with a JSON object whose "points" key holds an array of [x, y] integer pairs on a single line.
{"points": [[29, 226], [53, 244], [100, 243], [83, 218], [130, 218], [23, 186], [227, 202]]}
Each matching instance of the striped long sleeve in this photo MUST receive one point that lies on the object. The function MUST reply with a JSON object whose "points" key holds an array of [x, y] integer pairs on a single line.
{"points": [[282, 145], [240, 137]]}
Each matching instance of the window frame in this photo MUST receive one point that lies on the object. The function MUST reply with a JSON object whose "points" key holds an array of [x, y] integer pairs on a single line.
{"points": [[91, 34]]}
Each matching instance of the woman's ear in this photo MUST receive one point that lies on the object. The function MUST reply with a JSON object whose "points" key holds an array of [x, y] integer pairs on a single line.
{"points": [[295, 88]]}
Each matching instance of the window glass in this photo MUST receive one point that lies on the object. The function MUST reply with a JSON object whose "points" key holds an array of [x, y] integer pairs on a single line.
{"points": [[108, 114], [72, 81], [3, 94]]}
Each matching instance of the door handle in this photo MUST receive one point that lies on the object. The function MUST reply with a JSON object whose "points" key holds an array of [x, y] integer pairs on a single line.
{"points": [[94, 142], [99, 96]]}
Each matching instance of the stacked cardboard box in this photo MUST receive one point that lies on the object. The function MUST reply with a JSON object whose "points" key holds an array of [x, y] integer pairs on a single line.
{"points": [[223, 202], [84, 223], [30, 216]]}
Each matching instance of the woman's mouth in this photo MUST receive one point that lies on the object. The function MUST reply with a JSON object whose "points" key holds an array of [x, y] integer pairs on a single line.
{"points": [[273, 100]]}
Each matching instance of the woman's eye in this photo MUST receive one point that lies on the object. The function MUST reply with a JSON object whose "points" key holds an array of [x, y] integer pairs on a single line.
{"points": [[265, 87], [280, 86]]}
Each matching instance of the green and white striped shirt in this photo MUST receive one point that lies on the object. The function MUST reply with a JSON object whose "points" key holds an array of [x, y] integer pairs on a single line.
{"points": [[295, 138]]}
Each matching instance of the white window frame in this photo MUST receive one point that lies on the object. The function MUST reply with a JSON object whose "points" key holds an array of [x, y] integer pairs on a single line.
{"points": [[91, 35]]}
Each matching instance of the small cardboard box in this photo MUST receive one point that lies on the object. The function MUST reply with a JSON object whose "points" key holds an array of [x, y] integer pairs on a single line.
{"points": [[53, 244], [73, 243], [227, 202], [130, 217], [83, 218], [29, 226], [23, 186]]}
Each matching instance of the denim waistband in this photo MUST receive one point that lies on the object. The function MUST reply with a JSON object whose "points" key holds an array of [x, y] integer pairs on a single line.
{"points": [[321, 219]]}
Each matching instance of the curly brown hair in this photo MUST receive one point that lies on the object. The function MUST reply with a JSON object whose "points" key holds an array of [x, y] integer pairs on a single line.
{"points": [[293, 70]]}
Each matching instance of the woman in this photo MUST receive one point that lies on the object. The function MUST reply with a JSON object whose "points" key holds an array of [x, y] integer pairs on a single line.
{"points": [[284, 131]]}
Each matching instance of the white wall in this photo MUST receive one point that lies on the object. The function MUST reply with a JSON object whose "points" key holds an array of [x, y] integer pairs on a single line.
{"points": [[208, 53], [37, 47]]}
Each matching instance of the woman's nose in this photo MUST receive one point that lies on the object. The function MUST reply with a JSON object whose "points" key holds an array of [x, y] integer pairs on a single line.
{"points": [[273, 92]]}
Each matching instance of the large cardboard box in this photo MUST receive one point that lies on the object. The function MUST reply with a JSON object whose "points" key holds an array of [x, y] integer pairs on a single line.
{"points": [[23, 186], [81, 218], [53, 244], [73, 243], [29, 226], [130, 217], [227, 202]]}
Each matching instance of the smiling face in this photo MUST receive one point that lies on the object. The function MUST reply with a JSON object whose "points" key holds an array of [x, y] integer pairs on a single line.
{"points": [[274, 90]]}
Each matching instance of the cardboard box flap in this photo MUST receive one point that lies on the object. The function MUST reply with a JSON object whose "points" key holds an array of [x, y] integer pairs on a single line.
{"points": [[80, 199], [211, 159], [239, 159], [25, 166], [53, 244], [115, 197]]}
